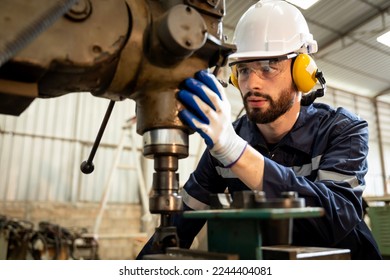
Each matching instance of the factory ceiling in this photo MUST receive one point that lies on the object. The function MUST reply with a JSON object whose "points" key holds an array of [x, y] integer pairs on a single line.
{"points": [[349, 54]]}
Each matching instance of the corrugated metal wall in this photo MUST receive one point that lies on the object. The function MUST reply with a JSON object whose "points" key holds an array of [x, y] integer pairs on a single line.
{"points": [[42, 149], [41, 152], [384, 122]]}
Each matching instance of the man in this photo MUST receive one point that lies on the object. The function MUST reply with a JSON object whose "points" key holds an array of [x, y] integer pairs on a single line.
{"points": [[285, 142]]}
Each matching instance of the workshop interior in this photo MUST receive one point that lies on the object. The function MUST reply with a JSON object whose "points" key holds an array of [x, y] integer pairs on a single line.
{"points": [[93, 155]]}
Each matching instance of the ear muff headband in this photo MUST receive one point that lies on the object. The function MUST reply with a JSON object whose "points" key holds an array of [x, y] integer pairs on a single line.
{"points": [[304, 71]]}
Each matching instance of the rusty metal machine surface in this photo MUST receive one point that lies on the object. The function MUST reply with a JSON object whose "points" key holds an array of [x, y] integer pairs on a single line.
{"points": [[115, 49]]}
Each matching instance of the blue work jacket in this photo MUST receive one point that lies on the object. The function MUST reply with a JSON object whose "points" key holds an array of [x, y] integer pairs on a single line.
{"points": [[323, 159]]}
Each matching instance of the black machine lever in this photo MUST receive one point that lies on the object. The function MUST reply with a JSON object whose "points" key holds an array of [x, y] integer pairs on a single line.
{"points": [[87, 166]]}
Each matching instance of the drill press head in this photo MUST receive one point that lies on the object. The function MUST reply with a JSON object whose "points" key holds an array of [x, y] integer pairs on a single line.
{"points": [[169, 42]]}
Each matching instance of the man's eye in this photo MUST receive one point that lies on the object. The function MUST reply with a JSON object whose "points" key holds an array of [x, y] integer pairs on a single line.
{"points": [[266, 69], [243, 70]]}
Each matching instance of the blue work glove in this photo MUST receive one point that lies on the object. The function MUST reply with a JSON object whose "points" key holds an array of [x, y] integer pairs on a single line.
{"points": [[208, 112]]}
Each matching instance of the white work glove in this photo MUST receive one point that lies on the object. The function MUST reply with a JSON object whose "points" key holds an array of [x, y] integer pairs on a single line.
{"points": [[208, 112]]}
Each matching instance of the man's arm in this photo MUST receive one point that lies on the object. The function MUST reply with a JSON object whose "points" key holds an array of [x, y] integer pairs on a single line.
{"points": [[251, 162]]}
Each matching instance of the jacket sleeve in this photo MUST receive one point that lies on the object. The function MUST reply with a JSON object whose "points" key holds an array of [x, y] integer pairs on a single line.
{"points": [[340, 167]]}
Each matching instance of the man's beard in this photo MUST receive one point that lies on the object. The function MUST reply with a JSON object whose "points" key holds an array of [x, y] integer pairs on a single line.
{"points": [[276, 108]]}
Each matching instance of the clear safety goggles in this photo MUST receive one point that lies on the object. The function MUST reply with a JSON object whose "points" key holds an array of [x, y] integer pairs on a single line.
{"points": [[264, 69]]}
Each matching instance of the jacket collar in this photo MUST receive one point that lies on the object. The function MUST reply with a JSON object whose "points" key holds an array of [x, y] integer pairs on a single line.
{"points": [[299, 137]]}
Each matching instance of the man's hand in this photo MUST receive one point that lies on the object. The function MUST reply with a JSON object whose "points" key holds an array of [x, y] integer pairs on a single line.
{"points": [[208, 112]]}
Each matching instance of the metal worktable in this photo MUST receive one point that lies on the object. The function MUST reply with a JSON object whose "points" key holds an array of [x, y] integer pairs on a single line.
{"points": [[240, 231]]}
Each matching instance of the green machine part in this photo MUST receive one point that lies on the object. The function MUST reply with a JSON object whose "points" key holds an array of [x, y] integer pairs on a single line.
{"points": [[240, 231], [380, 226]]}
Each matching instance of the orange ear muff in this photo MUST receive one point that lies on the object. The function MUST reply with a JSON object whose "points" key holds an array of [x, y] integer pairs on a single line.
{"points": [[304, 72], [233, 76]]}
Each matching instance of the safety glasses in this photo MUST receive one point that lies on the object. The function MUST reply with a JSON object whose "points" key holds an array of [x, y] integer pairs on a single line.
{"points": [[264, 69]]}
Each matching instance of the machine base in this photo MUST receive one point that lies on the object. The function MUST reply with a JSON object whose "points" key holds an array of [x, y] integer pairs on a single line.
{"points": [[286, 252]]}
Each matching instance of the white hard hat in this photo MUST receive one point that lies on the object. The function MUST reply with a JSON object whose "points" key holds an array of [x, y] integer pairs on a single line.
{"points": [[272, 28]]}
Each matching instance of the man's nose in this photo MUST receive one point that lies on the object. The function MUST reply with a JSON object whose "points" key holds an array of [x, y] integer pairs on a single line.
{"points": [[254, 81]]}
